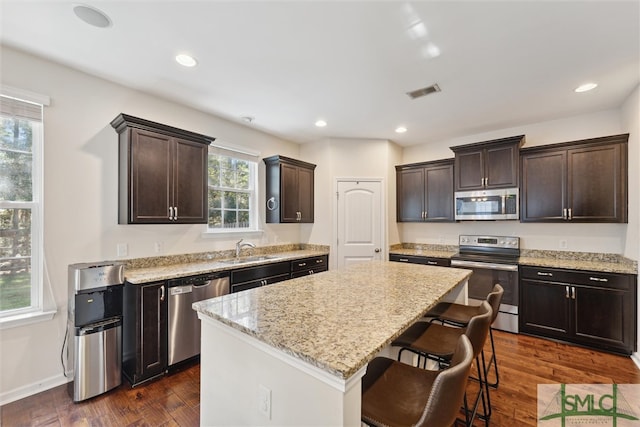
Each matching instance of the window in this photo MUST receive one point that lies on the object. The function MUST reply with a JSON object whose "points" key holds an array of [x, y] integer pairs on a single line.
{"points": [[20, 206], [232, 190]]}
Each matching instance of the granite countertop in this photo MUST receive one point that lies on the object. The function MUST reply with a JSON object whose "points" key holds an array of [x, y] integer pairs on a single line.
{"points": [[587, 261], [338, 320], [160, 271], [605, 266]]}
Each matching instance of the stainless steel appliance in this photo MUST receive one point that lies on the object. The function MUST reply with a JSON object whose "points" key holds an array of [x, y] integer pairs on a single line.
{"points": [[94, 328], [183, 322], [498, 204], [493, 259]]}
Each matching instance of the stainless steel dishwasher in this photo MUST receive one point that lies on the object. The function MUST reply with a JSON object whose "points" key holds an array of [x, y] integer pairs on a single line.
{"points": [[183, 323]]}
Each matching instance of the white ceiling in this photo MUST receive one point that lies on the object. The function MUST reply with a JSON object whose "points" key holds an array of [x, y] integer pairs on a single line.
{"points": [[500, 64]]}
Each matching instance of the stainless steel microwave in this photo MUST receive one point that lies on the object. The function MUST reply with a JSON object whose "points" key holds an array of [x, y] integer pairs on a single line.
{"points": [[498, 204]]}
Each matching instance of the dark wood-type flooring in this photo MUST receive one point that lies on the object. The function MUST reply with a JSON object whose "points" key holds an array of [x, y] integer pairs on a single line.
{"points": [[175, 399]]}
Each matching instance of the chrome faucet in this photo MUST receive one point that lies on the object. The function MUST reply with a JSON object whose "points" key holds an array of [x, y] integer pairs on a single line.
{"points": [[240, 245]]}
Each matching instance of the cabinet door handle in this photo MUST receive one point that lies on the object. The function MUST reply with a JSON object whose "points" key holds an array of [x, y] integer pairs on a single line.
{"points": [[598, 279], [302, 264], [569, 214], [426, 215], [403, 259], [162, 293], [573, 292], [170, 213], [543, 273], [564, 213], [175, 213], [432, 263], [310, 272], [319, 261], [566, 292]]}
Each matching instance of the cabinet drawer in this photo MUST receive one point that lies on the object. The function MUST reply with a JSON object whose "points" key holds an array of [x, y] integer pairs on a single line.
{"points": [[301, 273], [575, 277], [411, 259], [259, 272], [315, 264], [257, 283], [416, 259]]}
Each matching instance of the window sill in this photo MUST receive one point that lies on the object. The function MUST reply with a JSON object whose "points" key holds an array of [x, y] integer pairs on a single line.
{"points": [[210, 234], [26, 319]]}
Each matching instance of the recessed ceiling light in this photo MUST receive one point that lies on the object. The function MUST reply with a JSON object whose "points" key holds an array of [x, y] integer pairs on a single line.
{"points": [[586, 87], [186, 60], [321, 123], [401, 129], [92, 16]]}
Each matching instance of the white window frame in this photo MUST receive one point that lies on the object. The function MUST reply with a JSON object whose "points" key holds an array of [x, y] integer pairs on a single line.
{"points": [[41, 308], [254, 216]]}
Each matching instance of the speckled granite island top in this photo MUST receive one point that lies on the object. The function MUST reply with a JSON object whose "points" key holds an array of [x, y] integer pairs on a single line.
{"points": [[340, 319]]}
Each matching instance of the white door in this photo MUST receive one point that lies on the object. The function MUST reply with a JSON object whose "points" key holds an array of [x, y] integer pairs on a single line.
{"points": [[359, 222]]}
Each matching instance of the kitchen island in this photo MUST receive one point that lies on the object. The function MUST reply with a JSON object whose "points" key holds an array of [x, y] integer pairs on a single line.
{"points": [[294, 353]]}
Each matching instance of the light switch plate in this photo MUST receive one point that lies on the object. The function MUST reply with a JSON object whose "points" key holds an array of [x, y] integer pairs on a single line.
{"points": [[264, 401], [122, 249]]}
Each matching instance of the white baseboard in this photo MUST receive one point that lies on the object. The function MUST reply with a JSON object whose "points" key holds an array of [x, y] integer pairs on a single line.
{"points": [[636, 359], [31, 389]]}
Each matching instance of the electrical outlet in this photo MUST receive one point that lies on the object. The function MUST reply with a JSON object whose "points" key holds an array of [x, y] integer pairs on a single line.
{"points": [[159, 247], [122, 249], [264, 401], [563, 244]]}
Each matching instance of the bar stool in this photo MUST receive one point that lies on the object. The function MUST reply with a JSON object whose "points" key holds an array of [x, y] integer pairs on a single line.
{"points": [[394, 393], [459, 315], [438, 342]]}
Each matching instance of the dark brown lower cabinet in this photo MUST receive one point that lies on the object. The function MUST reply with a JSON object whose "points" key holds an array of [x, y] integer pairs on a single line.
{"points": [[583, 307], [144, 343]]}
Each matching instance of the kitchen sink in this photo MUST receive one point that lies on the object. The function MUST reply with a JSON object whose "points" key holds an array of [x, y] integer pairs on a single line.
{"points": [[248, 259]]}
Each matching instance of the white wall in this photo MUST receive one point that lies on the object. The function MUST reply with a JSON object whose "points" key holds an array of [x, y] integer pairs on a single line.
{"points": [[631, 124], [349, 158], [80, 197], [610, 238]]}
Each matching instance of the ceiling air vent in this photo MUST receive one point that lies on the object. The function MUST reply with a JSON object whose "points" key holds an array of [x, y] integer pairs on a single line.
{"points": [[424, 91]]}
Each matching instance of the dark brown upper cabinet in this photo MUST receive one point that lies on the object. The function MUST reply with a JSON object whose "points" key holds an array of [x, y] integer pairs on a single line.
{"points": [[489, 164], [424, 192], [162, 173], [289, 192], [578, 181]]}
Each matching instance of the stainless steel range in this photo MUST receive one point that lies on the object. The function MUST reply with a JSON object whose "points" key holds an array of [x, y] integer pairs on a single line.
{"points": [[493, 259]]}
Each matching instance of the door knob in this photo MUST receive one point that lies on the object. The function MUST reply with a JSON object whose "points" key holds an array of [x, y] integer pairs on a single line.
{"points": [[377, 250]]}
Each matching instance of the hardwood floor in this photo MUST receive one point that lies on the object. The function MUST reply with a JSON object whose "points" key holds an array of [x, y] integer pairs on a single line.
{"points": [[174, 400]]}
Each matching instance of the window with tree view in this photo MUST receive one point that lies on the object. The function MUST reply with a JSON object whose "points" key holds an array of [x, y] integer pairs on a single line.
{"points": [[20, 139], [231, 192]]}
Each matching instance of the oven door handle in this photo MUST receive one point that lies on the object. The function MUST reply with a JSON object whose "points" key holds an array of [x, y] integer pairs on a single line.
{"points": [[485, 265]]}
